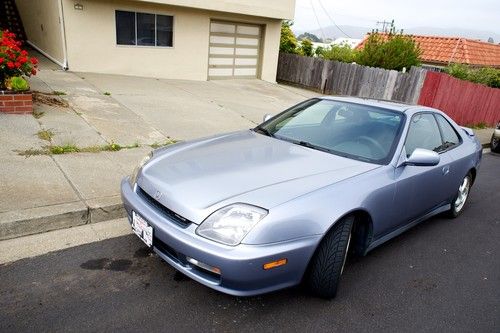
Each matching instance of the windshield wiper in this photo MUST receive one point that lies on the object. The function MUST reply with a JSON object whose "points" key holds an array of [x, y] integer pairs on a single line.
{"points": [[310, 145], [264, 131]]}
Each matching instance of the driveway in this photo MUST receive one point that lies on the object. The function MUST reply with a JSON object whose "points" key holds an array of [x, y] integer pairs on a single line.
{"points": [[191, 109]]}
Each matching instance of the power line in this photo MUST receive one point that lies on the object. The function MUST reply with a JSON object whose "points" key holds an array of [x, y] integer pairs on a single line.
{"points": [[317, 20], [331, 19], [384, 24]]}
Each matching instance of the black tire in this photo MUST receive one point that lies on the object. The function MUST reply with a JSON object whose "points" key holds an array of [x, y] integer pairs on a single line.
{"points": [[457, 206], [328, 262], [495, 144]]}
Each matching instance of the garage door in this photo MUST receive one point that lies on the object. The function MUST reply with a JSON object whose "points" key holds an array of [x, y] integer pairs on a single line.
{"points": [[234, 50]]}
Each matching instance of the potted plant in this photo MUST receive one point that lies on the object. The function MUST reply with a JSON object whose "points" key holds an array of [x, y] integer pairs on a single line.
{"points": [[15, 67]]}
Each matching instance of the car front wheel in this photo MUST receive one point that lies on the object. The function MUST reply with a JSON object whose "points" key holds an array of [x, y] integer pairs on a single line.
{"points": [[458, 203], [328, 262]]}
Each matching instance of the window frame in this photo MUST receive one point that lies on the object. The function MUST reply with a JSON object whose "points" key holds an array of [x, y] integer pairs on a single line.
{"points": [[434, 114], [135, 29]]}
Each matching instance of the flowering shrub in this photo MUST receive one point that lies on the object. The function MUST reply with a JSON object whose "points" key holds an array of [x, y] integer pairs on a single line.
{"points": [[14, 61]]}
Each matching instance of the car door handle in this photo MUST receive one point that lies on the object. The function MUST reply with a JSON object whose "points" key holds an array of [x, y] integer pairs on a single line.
{"points": [[446, 170]]}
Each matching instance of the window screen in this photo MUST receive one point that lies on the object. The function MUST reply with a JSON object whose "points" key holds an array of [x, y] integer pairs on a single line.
{"points": [[125, 28], [145, 29], [164, 30]]}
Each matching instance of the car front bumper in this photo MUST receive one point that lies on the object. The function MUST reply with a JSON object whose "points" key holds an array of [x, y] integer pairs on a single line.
{"points": [[241, 266]]}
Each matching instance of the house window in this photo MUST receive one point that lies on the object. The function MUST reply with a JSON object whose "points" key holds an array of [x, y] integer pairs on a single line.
{"points": [[143, 29]]}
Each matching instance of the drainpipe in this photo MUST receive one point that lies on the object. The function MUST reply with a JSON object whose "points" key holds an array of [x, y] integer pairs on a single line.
{"points": [[63, 35]]}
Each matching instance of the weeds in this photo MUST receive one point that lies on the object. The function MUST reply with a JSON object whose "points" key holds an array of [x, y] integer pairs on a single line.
{"points": [[481, 125], [58, 93], [107, 94], [169, 141], [46, 135], [71, 148]]}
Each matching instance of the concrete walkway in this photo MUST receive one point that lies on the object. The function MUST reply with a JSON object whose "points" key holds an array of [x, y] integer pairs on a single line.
{"points": [[39, 193]]}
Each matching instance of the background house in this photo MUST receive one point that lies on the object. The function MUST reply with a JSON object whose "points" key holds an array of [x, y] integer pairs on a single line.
{"points": [[438, 52], [177, 39]]}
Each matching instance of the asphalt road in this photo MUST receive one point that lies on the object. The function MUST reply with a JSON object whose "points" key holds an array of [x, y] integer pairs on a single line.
{"points": [[441, 276]]}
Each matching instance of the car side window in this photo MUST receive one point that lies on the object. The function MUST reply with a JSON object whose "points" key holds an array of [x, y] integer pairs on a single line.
{"points": [[423, 133], [450, 136]]}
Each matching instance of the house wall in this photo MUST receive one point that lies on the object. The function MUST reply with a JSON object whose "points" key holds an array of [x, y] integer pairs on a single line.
{"points": [[281, 9], [91, 41], [43, 26]]}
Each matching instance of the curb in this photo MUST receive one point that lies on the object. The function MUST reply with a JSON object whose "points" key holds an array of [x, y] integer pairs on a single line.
{"points": [[37, 220]]}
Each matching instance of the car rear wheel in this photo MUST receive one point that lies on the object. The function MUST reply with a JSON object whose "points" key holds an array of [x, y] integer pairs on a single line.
{"points": [[495, 144], [458, 203], [328, 262]]}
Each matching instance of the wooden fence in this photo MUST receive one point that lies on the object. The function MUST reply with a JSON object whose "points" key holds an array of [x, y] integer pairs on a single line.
{"points": [[465, 102], [338, 78]]}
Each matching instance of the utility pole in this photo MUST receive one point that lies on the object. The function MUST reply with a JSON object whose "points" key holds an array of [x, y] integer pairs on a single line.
{"points": [[384, 25]]}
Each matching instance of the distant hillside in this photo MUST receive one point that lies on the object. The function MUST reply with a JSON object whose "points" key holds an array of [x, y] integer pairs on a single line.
{"points": [[359, 32]]}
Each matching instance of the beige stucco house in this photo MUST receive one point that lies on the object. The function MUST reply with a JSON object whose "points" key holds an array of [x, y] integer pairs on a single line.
{"points": [[176, 39]]}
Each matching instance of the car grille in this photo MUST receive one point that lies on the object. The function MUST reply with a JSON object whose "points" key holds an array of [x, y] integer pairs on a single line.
{"points": [[169, 214]]}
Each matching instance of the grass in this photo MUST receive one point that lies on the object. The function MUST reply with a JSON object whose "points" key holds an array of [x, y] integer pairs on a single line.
{"points": [[107, 93], [58, 93], [481, 125], [46, 135]]}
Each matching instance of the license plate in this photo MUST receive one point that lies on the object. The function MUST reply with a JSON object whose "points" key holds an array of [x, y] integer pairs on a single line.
{"points": [[142, 229]]}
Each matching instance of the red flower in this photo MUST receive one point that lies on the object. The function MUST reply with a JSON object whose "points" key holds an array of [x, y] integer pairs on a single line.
{"points": [[24, 53], [33, 71], [34, 61], [17, 64], [22, 60], [10, 64], [1, 60]]}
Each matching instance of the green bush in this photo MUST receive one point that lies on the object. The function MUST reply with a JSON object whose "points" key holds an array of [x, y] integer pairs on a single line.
{"points": [[486, 75], [343, 53], [306, 48]]}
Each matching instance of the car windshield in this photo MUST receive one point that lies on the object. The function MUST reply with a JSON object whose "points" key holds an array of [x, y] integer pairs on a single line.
{"points": [[346, 129]]}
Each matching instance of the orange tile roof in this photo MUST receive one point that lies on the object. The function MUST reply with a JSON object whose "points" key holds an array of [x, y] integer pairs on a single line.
{"points": [[444, 50]]}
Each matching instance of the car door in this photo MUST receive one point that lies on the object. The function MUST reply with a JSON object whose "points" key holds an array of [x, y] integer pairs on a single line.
{"points": [[420, 189]]}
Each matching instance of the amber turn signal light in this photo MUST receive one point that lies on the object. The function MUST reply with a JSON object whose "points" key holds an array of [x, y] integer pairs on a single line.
{"points": [[276, 263]]}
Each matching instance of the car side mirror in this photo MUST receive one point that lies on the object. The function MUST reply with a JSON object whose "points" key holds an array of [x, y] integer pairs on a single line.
{"points": [[266, 117], [423, 157]]}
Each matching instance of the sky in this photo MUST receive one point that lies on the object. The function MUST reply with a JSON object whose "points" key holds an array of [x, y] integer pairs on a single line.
{"points": [[470, 14]]}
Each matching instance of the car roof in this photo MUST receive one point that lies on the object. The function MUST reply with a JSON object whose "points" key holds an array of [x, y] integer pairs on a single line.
{"points": [[391, 105]]}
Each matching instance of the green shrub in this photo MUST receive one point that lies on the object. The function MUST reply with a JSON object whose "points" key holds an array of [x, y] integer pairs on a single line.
{"points": [[343, 53], [306, 48], [486, 75]]}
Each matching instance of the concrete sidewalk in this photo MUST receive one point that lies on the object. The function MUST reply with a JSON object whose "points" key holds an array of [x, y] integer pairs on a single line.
{"points": [[39, 193]]}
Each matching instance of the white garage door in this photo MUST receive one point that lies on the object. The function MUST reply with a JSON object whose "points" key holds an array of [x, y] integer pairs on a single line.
{"points": [[234, 50]]}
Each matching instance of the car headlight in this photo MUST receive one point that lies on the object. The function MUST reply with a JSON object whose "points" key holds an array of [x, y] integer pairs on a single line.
{"points": [[135, 173], [230, 224]]}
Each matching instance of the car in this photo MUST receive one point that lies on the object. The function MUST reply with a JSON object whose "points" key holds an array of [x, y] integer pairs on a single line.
{"points": [[282, 204], [495, 139]]}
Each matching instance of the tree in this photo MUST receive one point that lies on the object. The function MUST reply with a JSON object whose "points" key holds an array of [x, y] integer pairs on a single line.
{"points": [[288, 41], [306, 48], [310, 36], [393, 50]]}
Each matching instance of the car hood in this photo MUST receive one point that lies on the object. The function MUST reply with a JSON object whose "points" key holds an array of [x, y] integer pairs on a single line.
{"points": [[197, 178]]}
